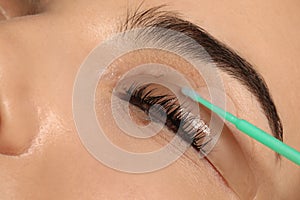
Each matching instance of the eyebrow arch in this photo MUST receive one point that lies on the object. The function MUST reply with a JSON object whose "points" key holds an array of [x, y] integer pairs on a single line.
{"points": [[222, 56]]}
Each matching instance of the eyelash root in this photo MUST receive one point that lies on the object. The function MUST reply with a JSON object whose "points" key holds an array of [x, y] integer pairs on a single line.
{"points": [[191, 128]]}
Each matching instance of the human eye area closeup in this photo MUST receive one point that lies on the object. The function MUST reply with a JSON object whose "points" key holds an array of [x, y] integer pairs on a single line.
{"points": [[130, 99]]}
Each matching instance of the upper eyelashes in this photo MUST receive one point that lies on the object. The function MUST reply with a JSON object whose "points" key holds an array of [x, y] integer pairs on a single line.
{"points": [[178, 118]]}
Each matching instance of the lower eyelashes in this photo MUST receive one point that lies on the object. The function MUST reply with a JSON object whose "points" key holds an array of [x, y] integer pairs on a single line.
{"points": [[162, 106]]}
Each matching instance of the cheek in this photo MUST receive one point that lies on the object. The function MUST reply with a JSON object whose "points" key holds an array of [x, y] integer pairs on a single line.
{"points": [[63, 165], [182, 179]]}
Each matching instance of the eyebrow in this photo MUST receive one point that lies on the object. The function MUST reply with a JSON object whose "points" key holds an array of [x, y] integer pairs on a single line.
{"points": [[225, 58]]}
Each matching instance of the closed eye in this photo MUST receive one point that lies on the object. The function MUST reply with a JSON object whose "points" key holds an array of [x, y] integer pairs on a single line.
{"points": [[190, 127]]}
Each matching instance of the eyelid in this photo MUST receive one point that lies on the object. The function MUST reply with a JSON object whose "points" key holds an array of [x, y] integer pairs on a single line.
{"points": [[227, 155], [188, 125], [229, 159]]}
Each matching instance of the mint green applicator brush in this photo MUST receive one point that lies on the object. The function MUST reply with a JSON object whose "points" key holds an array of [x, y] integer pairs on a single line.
{"points": [[248, 128]]}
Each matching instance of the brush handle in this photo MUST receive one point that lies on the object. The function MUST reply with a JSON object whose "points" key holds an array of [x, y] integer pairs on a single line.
{"points": [[248, 128], [268, 140]]}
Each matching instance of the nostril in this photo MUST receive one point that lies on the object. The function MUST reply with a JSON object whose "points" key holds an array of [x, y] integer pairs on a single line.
{"points": [[19, 120], [18, 128]]}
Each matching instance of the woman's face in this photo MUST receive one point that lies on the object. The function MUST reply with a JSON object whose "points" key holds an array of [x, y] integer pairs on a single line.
{"points": [[41, 154]]}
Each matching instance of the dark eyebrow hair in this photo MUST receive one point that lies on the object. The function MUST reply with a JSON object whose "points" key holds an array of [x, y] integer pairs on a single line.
{"points": [[224, 57]]}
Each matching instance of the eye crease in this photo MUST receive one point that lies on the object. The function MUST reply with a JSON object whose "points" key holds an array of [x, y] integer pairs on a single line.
{"points": [[179, 119]]}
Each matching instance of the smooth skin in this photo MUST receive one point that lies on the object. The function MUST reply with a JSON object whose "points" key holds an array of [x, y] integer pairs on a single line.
{"points": [[41, 156]]}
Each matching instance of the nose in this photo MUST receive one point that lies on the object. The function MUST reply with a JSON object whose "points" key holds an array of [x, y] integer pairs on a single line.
{"points": [[18, 111]]}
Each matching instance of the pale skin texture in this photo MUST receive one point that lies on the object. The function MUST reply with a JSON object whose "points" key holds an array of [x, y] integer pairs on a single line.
{"points": [[41, 156]]}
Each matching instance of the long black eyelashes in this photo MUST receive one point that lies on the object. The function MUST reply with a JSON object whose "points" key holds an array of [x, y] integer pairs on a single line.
{"points": [[179, 119]]}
